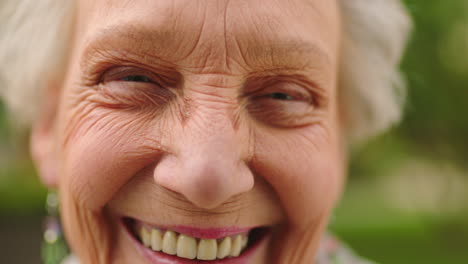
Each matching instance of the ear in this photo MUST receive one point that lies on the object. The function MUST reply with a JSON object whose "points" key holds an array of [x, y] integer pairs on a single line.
{"points": [[43, 136]]}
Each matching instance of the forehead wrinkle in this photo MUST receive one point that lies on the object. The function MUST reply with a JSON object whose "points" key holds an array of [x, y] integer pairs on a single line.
{"points": [[257, 54]]}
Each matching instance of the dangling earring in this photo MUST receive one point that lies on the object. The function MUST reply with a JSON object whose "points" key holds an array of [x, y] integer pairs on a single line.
{"points": [[54, 246]]}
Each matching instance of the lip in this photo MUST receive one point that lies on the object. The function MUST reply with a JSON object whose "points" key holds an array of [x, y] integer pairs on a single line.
{"points": [[203, 233], [209, 233]]}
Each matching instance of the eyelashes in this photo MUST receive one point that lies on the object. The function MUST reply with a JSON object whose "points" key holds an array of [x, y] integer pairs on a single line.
{"points": [[283, 105], [280, 96], [136, 78], [277, 101], [130, 88]]}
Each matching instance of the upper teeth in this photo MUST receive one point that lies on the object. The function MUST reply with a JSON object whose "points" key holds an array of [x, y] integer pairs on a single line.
{"points": [[189, 247]]}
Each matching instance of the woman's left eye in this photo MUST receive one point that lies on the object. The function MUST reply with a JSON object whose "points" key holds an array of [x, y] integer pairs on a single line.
{"points": [[280, 96], [136, 78], [284, 104]]}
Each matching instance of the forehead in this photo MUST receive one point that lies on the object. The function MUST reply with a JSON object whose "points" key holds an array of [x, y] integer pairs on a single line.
{"points": [[215, 31]]}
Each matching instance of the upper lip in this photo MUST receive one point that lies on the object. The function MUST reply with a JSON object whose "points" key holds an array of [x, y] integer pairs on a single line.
{"points": [[206, 233], [202, 233]]}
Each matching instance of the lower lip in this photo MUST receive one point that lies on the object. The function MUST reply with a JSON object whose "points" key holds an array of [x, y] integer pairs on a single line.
{"points": [[161, 258]]}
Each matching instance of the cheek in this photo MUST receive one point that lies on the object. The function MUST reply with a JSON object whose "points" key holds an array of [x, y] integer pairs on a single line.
{"points": [[305, 169], [101, 151]]}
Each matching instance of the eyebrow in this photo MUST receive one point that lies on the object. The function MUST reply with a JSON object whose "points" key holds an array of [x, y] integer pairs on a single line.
{"points": [[125, 40], [145, 46]]}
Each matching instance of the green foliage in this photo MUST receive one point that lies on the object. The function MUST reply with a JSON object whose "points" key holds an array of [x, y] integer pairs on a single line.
{"points": [[21, 193], [436, 66]]}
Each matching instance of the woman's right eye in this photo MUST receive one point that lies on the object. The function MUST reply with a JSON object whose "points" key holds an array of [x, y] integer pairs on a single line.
{"points": [[130, 88], [136, 78]]}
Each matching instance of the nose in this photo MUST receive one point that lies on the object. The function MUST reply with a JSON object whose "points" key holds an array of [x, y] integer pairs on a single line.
{"points": [[210, 164]]}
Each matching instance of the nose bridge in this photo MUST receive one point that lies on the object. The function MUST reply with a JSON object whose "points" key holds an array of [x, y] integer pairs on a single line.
{"points": [[211, 159], [214, 128]]}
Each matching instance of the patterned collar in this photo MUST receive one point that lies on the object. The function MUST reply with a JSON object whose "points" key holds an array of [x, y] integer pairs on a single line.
{"points": [[333, 251]]}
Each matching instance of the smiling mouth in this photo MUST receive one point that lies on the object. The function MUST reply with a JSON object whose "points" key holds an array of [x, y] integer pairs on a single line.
{"points": [[195, 244]]}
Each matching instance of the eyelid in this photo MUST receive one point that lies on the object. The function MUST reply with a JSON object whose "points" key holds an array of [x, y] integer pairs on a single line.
{"points": [[294, 93], [292, 88], [117, 73]]}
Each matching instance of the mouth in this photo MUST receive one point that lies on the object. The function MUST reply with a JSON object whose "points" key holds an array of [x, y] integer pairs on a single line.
{"points": [[187, 245]]}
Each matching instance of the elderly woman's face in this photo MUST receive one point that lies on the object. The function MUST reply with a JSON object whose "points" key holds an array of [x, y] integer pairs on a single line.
{"points": [[208, 118]]}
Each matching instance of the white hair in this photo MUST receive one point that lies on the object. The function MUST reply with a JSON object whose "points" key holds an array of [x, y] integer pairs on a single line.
{"points": [[372, 91], [34, 36]]}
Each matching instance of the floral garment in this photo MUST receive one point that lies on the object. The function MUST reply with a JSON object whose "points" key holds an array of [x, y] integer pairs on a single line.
{"points": [[332, 251]]}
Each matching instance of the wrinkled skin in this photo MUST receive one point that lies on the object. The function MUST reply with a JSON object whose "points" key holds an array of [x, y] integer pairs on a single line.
{"points": [[232, 120]]}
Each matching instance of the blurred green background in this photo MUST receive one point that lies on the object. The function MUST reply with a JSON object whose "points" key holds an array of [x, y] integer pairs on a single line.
{"points": [[407, 196]]}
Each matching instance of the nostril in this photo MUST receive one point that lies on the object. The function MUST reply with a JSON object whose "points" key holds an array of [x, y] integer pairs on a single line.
{"points": [[207, 181], [211, 186], [208, 193]]}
